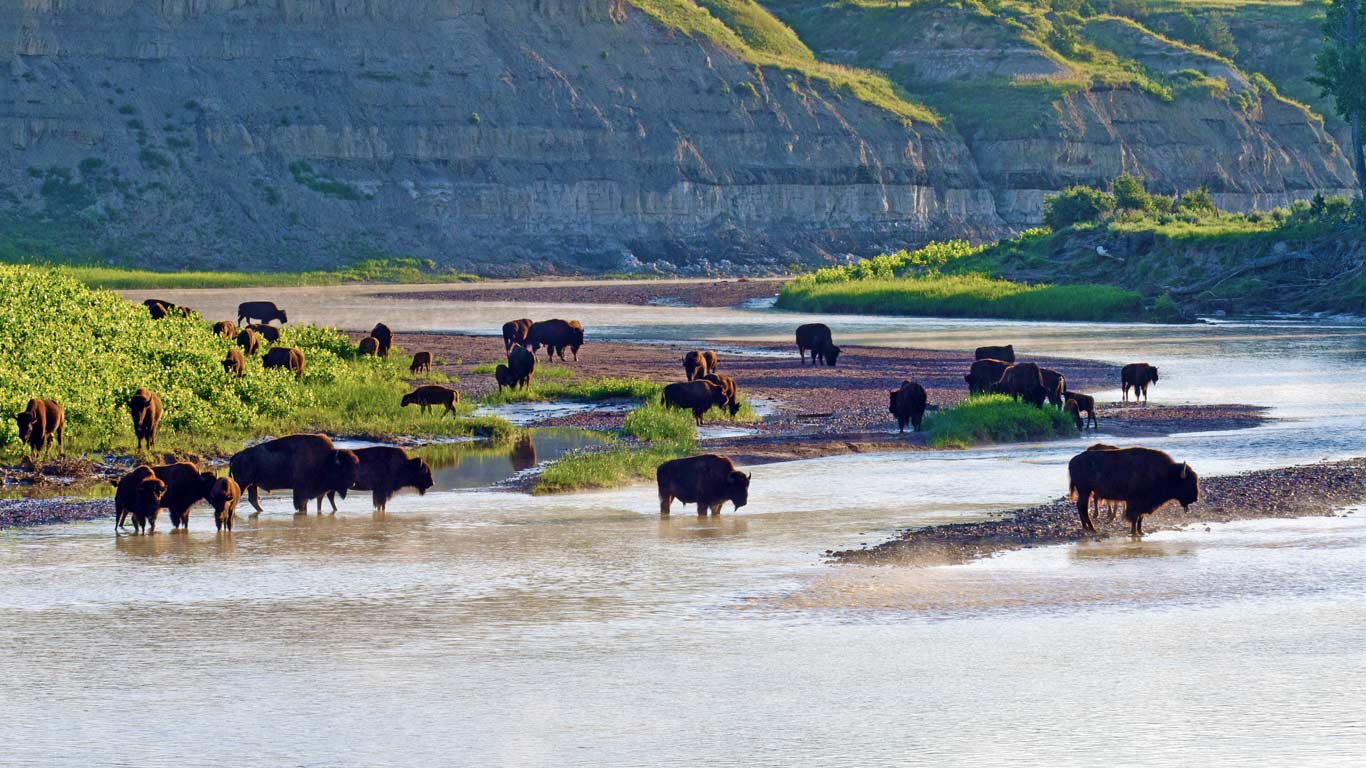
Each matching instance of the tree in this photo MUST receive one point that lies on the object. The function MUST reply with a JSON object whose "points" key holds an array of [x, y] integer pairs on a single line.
{"points": [[1216, 36], [1129, 193], [1340, 72], [1076, 205]]}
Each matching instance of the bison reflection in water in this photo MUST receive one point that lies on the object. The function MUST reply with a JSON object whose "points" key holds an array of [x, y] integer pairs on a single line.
{"points": [[708, 481], [523, 454], [1142, 478]]}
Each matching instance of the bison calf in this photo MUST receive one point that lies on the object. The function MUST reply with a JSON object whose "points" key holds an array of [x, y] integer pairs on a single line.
{"points": [[40, 423], [369, 346], [285, 357], [138, 494], [223, 494], [145, 408], [432, 394], [225, 328], [707, 480], [907, 404], [235, 364], [422, 363], [1085, 404]]}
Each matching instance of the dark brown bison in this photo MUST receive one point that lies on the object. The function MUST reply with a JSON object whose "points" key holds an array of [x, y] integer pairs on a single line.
{"points": [[145, 408], [1054, 384], [1023, 381], [1144, 479], [235, 364], [1071, 410], [709, 481], [159, 309], [907, 404], [816, 337], [1138, 376], [728, 388], [261, 311], [1006, 353], [695, 365], [285, 357], [385, 337], [40, 423], [515, 331], [267, 332], [249, 341], [697, 396], [368, 346], [422, 363], [225, 328], [307, 464], [432, 394], [385, 470], [184, 487], [138, 494], [984, 374], [521, 365], [223, 494], [712, 361], [503, 375], [1085, 404], [555, 335]]}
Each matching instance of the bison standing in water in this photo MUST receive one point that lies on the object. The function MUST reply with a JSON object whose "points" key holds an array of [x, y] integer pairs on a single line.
{"points": [[145, 408], [39, 424], [1006, 353], [184, 487], [384, 470], [432, 394], [697, 396], [138, 494], [816, 337], [307, 464], [984, 374], [285, 357], [261, 311], [695, 365], [1138, 376], [1023, 381], [223, 494], [1144, 479], [907, 404], [708, 481]]}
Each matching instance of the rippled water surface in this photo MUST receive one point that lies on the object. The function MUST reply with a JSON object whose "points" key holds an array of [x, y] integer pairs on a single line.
{"points": [[475, 627]]}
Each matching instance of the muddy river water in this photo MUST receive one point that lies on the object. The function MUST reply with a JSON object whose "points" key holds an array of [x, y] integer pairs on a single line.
{"points": [[476, 627]]}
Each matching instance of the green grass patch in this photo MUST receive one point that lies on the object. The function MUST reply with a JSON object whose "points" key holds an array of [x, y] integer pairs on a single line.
{"points": [[653, 422], [571, 388], [396, 271], [607, 469], [996, 419]]}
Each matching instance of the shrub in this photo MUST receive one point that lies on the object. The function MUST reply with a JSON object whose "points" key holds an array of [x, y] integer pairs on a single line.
{"points": [[995, 419], [1129, 193], [1076, 205], [1198, 201]]}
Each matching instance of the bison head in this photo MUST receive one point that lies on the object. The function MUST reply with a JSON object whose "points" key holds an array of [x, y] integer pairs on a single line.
{"points": [[341, 471], [152, 490], [25, 422], [832, 353], [737, 488], [206, 482], [1153, 369], [891, 404], [1187, 486], [409, 399], [734, 408], [418, 474], [283, 317]]}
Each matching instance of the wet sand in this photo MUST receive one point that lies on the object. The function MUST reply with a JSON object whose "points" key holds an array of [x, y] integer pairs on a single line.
{"points": [[1312, 490]]}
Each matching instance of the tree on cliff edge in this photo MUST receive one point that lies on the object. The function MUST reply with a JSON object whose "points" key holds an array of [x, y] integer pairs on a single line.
{"points": [[1340, 71]]}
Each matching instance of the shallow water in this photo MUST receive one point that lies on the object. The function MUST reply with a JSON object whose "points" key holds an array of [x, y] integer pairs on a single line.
{"points": [[475, 627]]}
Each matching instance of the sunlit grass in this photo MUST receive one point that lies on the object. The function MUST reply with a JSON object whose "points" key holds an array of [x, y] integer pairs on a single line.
{"points": [[995, 419]]}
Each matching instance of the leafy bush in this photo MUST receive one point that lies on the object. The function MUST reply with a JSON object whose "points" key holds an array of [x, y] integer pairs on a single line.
{"points": [[653, 421], [1198, 201], [1129, 193], [1076, 205], [996, 419]]}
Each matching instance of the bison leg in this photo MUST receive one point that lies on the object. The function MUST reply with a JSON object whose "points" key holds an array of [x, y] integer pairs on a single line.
{"points": [[301, 502], [716, 507], [702, 507], [450, 408], [254, 496], [665, 501], [1084, 509]]}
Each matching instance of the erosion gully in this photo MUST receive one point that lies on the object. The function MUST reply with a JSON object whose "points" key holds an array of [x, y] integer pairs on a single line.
{"points": [[476, 626]]}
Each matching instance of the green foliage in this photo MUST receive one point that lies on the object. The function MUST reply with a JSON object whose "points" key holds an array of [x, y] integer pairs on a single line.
{"points": [[601, 388], [996, 419], [324, 184], [385, 270], [607, 469], [653, 421], [1198, 201], [1076, 205], [929, 258], [1129, 193], [1340, 67]]}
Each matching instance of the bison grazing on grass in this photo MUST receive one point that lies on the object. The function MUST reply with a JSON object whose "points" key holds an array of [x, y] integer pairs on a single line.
{"points": [[1054, 384], [1138, 376], [816, 337], [433, 394], [385, 470], [984, 374], [907, 404], [709, 481], [1144, 479], [285, 357], [225, 328], [368, 346], [728, 388], [385, 337], [1071, 410], [235, 364], [307, 464], [555, 335], [223, 494], [184, 487], [268, 332], [138, 494], [1006, 353], [521, 364], [503, 375], [145, 408], [422, 363], [1023, 381], [40, 423], [261, 311], [695, 365], [157, 308], [697, 396], [1085, 404], [515, 331], [249, 341]]}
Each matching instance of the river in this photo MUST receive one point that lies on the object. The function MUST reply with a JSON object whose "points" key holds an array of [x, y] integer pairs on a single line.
{"points": [[475, 627]]}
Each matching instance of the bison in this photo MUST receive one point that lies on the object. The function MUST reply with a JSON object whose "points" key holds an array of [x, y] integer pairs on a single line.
{"points": [[697, 396], [816, 337], [1023, 381], [307, 464], [223, 494], [268, 332], [369, 346], [40, 423], [555, 335], [1085, 404], [907, 404], [984, 374], [422, 363], [521, 364], [249, 341], [285, 357], [1143, 478], [432, 394], [138, 494], [225, 328], [157, 308], [261, 311], [514, 332], [234, 364], [385, 337], [184, 487], [707, 480], [712, 363], [728, 388], [1071, 410], [1138, 376], [1054, 384], [145, 408], [695, 365], [385, 470], [503, 375], [1006, 353]]}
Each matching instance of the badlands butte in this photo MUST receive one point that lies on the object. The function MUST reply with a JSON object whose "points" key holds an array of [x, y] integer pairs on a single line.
{"points": [[531, 136]]}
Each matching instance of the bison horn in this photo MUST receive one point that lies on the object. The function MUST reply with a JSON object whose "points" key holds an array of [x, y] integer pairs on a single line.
{"points": [[750, 476], [1185, 470]]}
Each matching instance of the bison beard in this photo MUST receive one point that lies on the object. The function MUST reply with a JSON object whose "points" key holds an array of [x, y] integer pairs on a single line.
{"points": [[1142, 478], [708, 481]]}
